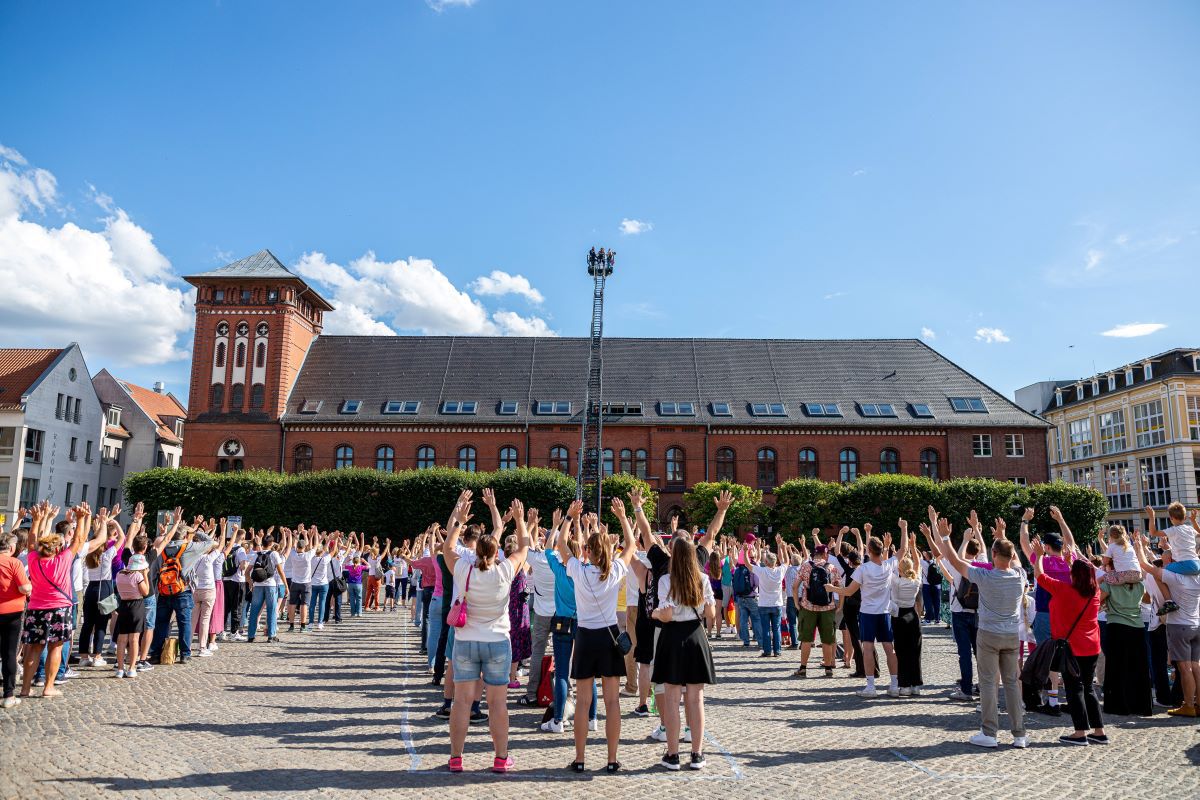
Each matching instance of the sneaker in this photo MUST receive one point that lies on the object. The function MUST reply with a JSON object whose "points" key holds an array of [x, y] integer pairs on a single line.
{"points": [[204, 652], [1020, 742], [670, 761], [304, 629], [212, 648], [904, 691], [916, 691], [443, 712], [320, 626], [98, 661], [11, 702], [292, 628], [1081, 741], [70, 673], [120, 673], [131, 673], [1182, 711], [479, 718], [145, 666], [502, 765], [960, 695], [39, 681], [981, 739], [239, 637], [1049, 710], [642, 711], [659, 734], [1094, 739], [686, 736], [85, 661], [698, 761], [183, 659], [867, 692], [593, 725], [551, 726], [455, 764], [251, 640], [272, 639]]}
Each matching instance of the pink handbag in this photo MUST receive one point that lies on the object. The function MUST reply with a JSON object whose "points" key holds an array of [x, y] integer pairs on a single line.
{"points": [[457, 616]]}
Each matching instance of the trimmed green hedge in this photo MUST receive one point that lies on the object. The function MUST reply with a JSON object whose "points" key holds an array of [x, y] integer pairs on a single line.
{"points": [[700, 504]]}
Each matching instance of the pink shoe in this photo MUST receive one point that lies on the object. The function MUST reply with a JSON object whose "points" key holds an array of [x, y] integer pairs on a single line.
{"points": [[502, 765], [455, 764], [514, 684]]}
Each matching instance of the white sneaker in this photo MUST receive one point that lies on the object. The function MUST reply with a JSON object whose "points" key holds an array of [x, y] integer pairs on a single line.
{"points": [[11, 702], [240, 637], [204, 652], [982, 740], [867, 691], [1020, 742], [659, 734], [320, 626], [593, 725], [212, 648], [916, 691], [905, 691], [120, 673], [959, 694], [551, 726], [687, 735], [85, 661], [893, 691], [99, 662], [131, 673]]}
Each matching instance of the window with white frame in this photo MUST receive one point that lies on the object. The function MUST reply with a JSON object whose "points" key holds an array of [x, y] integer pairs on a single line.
{"points": [[1095, 386], [1112, 431], [1129, 376], [981, 445], [1082, 476], [1117, 486], [1014, 445], [1148, 371], [114, 416], [8, 443], [1080, 431], [1193, 414], [1112, 383], [1148, 426], [1020, 481], [1156, 481]]}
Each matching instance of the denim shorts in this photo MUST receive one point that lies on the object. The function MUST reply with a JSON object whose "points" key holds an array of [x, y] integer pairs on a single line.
{"points": [[491, 660], [151, 602], [875, 627]]}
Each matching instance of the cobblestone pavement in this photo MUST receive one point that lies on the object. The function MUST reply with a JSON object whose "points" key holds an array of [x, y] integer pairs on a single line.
{"points": [[348, 709]]}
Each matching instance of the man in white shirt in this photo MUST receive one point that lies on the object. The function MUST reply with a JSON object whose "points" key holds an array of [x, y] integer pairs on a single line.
{"points": [[541, 613], [874, 578], [297, 568]]}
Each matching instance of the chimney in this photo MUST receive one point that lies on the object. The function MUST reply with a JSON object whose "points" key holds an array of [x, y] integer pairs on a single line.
{"points": [[159, 387]]}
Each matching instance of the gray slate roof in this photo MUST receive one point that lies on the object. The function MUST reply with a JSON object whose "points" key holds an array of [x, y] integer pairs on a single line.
{"points": [[262, 264], [433, 369]]}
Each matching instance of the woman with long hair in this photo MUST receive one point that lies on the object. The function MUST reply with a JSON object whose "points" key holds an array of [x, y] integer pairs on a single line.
{"points": [[1074, 610], [683, 658], [712, 573], [906, 624], [597, 652], [518, 616], [99, 568], [482, 650]]}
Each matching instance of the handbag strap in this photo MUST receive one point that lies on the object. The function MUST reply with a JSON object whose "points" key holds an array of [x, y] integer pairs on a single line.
{"points": [[57, 588], [1076, 622]]}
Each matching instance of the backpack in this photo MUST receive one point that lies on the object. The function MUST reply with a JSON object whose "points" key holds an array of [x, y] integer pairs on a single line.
{"points": [[170, 575], [262, 567], [967, 594], [933, 575], [545, 689], [818, 595], [230, 565], [743, 581]]}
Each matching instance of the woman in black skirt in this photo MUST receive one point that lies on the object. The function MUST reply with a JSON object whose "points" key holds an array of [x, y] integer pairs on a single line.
{"points": [[906, 622], [597, 652], [683, 659]]}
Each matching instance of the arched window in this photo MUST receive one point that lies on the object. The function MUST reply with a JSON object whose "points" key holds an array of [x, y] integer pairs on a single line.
{"points": [[220, 355], [302, 458], [239, 359], [627, 461], [808, 463], [726, 464], [343, 457], [385, 458], [508, 457], [675, 467], [238, 466], [466, 458], [929, 464], [641, 463], [218, 397], [260, 354], [607, 463], [237, 396], [223, 465], [848, 463], [560, 459], [889, 461], [426, 457], [258, 394], [766, 468]]}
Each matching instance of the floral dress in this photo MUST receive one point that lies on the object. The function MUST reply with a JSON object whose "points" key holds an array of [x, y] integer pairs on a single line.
{"points": [[518, 617]]}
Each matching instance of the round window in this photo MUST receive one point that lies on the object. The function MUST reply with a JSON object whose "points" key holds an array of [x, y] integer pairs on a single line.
{"points": [[72, 374]]}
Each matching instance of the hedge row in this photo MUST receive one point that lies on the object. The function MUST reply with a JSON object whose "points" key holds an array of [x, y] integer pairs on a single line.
{"points": [[399, 504]]}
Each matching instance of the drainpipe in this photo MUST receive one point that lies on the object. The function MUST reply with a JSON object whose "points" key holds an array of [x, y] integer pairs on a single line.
{"points": [[282, 445]]}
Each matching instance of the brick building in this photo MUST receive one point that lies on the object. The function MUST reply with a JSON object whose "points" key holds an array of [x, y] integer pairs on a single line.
{"points": [[268, 391]]}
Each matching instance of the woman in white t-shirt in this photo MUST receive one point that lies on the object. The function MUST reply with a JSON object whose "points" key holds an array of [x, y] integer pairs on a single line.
{"points": [[770, 575], [906, 619], [597, 652], [204, 593], [482, 650], [266, 576]]}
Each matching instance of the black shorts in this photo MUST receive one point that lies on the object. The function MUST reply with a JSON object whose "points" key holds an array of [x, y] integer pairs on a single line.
{"points": [[389, 592], [596, 654], [131, 616], [299, 594]]}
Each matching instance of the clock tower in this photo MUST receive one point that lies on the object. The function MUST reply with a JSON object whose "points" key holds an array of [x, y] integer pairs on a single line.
{"points": [[255, 320]]}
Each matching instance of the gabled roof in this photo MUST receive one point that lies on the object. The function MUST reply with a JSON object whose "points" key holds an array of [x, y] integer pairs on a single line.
{"points": [[19, 370], [162, 409], [1178, 361], [262, 264], [488, 370]]}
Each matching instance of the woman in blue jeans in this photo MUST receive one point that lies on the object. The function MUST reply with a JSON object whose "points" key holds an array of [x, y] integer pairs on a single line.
{"points": [[770, 599], [354, 584], [265, 592]]}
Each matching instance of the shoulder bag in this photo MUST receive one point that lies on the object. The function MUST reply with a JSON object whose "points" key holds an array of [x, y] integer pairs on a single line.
{"points": [[457, 616]]}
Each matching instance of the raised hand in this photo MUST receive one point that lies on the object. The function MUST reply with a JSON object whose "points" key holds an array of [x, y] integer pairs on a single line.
{"points": [[1027, 516], [1056, 515], [724, 500], [618, 507], [489, 498]]}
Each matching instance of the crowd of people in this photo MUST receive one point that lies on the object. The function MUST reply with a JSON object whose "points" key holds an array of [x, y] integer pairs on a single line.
{"points": [[570, 616]]}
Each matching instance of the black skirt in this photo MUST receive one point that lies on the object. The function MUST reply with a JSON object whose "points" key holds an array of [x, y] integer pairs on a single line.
{"points": [[906, 630], [596, 655], [131, 616], [683, 655], [1126, 672], [643, 651]]}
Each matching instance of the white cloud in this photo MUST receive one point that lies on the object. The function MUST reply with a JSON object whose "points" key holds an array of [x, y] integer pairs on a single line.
{"points": [[385, 297], [1122, 239], [858, 173], [632, 227], [500, 283], [990, 336], [1131, 330], [928, 334], [110, 290], [834, 295], [441, 5], [1094, 257]]}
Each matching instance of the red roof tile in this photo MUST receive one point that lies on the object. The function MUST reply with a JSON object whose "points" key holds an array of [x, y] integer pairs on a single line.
{"points": [[19, 369], [162, 408]]}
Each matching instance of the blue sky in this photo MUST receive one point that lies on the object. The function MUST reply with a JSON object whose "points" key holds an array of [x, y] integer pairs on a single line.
{"points": [[1005, 179]]}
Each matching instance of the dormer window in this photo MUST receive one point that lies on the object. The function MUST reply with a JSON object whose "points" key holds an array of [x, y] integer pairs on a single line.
{"points": [[1058, 398], [401, 406], [351, 406], [179, 428], [1095, 386], [1148, 371], [459, 407], [1112, 383], [1129, 376]]}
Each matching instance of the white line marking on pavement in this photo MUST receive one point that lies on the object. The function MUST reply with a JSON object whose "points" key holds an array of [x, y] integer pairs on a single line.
{"points": [[938, 776], [733, 765], [414, 759]]}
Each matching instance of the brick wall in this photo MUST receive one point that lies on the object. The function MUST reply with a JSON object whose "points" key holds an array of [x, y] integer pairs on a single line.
{"points": [[964, 463]]}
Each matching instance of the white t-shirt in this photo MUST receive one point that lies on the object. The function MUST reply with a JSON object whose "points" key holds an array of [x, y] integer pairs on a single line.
{"points": [[204, 569], [596, 600], [1028, 612], [335, 565], [952, 575], [487, 601], [875, 581], [272, 569], [389, 578], [1156, 600], [682, 613], [1185, 590], [1123, 558], [1182, 539], [770, 585], [299, 566], [103, 572], [77, 575], [633, 587], [373, 567], [543, 583], [905, 592], [321, 573], [401, 568]]}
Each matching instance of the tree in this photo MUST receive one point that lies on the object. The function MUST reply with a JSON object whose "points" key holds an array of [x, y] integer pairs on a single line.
{"points": [[1083, 508], [700, 504], [619, 485]]}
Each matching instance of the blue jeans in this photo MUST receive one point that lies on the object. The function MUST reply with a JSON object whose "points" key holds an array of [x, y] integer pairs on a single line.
{"points": [[792, 618], [965, 627], [264, 596], [563, 645], [747, 618], [932, 598], [356, 591], [316, 601], [180, 605], [436, 621], [768, 625]]}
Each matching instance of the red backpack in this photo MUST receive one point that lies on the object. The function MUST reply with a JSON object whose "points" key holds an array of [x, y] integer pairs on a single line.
{"points": [[170, 574]]}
